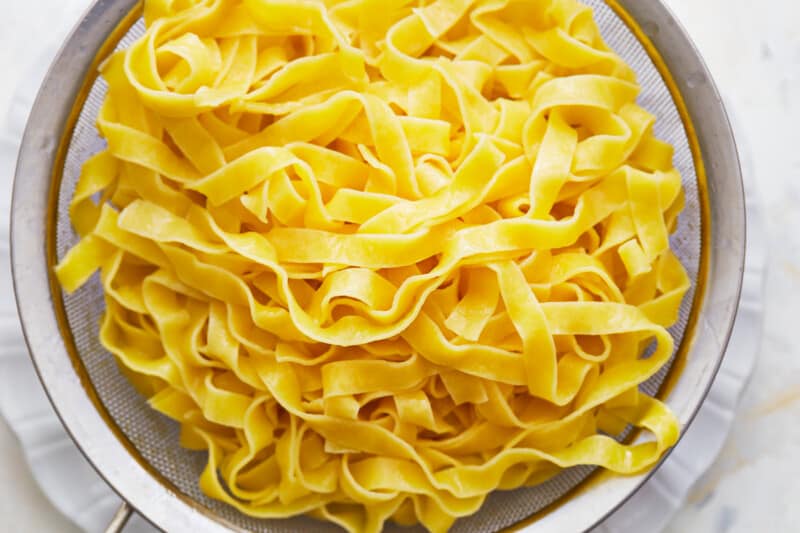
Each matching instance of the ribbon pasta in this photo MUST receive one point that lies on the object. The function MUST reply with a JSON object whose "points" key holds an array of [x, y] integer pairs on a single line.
{"points": [[381, 258]]}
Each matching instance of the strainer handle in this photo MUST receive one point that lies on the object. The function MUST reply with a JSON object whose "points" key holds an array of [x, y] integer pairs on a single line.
{"points": [[120, 518]]}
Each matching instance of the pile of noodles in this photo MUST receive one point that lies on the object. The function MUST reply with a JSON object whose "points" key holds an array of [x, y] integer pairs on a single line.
{"points": [[382, 257]]}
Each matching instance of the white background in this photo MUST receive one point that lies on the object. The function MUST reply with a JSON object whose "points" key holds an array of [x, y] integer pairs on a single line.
{"points": [[753, 50]]}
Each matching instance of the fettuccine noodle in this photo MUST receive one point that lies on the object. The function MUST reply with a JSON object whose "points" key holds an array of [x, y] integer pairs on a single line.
{"points": [[382, 257]]}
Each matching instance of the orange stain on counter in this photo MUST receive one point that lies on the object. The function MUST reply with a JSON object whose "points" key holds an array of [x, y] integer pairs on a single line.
{"points": [[779, 403]]}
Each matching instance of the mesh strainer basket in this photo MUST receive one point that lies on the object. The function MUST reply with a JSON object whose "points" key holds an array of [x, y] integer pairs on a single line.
{"points": [[136, 449]]}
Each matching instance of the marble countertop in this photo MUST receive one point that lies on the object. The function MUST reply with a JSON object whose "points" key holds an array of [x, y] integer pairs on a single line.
{"points": [[754, 55]]}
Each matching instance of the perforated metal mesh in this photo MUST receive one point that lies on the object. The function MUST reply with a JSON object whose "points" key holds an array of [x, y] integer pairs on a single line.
{"points": [[156, 437]]}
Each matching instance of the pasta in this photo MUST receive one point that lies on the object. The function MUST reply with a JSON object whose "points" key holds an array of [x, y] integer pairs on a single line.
{"points": [[380, 258]]}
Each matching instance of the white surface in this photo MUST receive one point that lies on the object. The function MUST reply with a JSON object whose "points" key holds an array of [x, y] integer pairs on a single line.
{"points": [[755, 57], [24, 27], [753, 49]]}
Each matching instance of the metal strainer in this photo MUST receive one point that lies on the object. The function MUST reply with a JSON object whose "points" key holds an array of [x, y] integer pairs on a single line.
{"points": [[136, 449]]}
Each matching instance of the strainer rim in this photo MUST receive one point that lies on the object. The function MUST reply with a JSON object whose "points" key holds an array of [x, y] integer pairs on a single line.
{"points": [[71, 395]]}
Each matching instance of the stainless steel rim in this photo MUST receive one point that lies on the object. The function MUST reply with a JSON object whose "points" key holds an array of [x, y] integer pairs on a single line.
{"points": [[173, 511]]}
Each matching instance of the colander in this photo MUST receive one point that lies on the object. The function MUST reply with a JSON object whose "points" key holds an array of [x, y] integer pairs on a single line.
{"points": [[136, 449]]}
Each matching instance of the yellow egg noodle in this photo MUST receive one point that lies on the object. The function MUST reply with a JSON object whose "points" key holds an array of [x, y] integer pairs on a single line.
{"points": [[383, 257]]}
